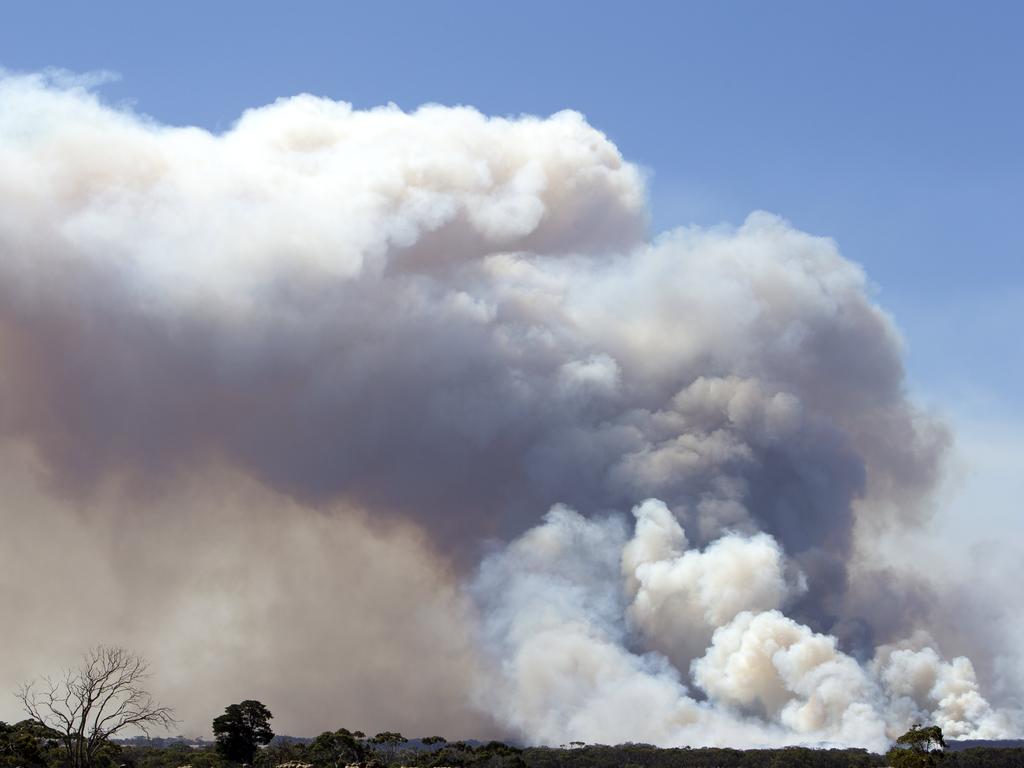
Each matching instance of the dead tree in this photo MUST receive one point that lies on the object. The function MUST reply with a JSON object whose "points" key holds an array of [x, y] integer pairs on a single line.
{"points": [[89, 704]]}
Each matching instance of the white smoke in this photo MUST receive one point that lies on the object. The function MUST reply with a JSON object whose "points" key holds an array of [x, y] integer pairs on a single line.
{"points": [[552, 613], [924, 687], [581, 649], [680, 597], [793, 677], [448, 323]]}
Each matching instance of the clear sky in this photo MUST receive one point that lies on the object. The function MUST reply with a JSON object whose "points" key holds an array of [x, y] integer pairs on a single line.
{"points": [[895, 128]]}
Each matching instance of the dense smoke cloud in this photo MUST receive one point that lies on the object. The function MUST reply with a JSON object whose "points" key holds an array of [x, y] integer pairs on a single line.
{"points": [[233, 592], [571, 646], [437, 322]]}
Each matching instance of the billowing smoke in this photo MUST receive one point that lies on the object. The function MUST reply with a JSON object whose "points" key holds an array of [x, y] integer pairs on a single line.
{"points": [[294, 380], [585, 649]]}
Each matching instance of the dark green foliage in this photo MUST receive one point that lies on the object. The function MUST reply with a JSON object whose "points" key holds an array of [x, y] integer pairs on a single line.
{"points": [[387, 745], [920, 747], [27, 744], [241, 730], [334, 749], [497, 755], [647, 756], [172, 756], [459, 754], [107, 755], [985, 757], [284, 752], [923, 739]]}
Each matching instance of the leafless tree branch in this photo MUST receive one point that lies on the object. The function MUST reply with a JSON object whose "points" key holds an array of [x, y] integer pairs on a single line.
{"points": [[91, 703]]}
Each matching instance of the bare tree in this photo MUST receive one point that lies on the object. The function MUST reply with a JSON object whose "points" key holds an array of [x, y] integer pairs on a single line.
{"points": [[89, 704]]}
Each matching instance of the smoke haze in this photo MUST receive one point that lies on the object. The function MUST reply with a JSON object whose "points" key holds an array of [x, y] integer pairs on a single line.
{"points": [[272, 400]]}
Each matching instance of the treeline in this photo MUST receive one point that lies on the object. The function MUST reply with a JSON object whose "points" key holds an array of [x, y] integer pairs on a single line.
{"points": [[497, 755], [29, 745], [985, 757], [323, 753], [76, 722]]}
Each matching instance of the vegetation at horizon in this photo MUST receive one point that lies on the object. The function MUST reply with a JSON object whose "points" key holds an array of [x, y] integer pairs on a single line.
{"points": [[74, 721]]}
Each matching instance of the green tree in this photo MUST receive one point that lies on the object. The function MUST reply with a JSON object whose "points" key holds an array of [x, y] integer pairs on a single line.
{"points": [[387, 745], [26, 744], [920, 747], [334, 749], [241, 730]]}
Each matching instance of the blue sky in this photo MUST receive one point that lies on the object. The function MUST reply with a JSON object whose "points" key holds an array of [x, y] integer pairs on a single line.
{"points": [[895, 128]]}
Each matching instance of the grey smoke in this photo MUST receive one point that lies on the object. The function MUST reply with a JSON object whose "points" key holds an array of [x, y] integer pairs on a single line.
{"points": [[449, 323]]}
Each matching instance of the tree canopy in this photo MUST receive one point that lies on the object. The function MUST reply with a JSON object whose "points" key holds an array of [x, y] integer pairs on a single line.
{"points": [[920, 747], [242, 729], [338, 748], [26, 744]]}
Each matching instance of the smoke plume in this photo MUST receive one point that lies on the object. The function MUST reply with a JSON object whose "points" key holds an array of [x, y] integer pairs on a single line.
{"points": [[272, 399]]}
